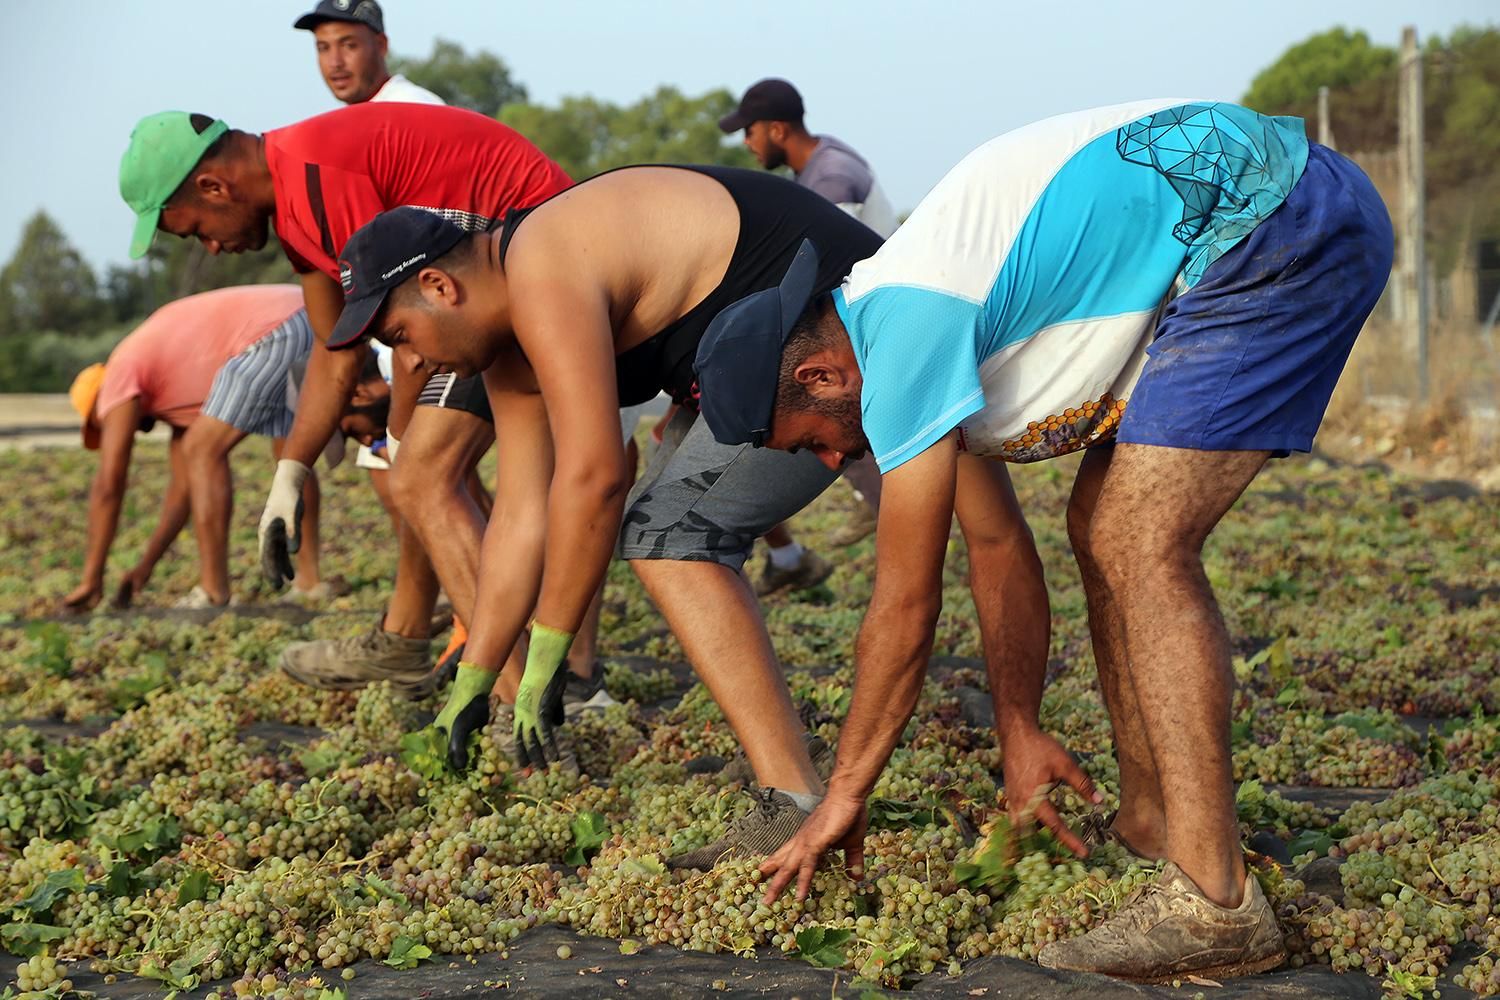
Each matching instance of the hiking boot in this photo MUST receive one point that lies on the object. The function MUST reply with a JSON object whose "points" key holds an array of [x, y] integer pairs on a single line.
{"points": [[377, 655], [583, 693], [739, 769], [810, 571], [773, 821], [859, 526], [1169, 930], [1098, 829], [198, 599]]}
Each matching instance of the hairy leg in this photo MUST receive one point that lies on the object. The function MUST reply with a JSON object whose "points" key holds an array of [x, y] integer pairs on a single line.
{"points": [[206, 447], [1155, 510], [1141, 819], [864, 476], [713, 613], [380, 481], [443, 525]]}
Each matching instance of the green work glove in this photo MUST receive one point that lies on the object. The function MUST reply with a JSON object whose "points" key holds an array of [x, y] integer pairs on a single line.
{"points": [[466, 712], [539, 707]]}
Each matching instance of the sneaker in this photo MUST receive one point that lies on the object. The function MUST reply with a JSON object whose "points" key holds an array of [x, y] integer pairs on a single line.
{"points": [[773, 821], [739, 769], [197, 599], [583, 693], [859, 526], [810, 571], [324, 592], [1098, 829], [1169, 930], [377, 655]]}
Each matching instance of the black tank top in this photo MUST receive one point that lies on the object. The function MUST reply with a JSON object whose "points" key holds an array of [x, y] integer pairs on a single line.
{"points": [[776, 215]]}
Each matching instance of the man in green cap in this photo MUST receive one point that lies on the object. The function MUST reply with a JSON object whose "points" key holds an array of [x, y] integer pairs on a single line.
{"points": [[321, 179]]}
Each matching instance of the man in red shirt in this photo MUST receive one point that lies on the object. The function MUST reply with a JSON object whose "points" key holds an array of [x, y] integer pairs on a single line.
{"points": [[320, 180]]}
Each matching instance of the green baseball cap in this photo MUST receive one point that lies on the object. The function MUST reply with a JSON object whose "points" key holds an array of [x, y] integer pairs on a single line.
{"points": [[164, 149]]}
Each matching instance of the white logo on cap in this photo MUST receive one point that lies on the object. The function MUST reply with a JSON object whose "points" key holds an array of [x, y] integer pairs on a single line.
{"points": [[341, 4], [408, 262], [346, 276]]}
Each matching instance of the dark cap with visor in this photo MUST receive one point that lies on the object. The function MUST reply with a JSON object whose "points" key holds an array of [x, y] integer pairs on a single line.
{"points": [[770, 100], [366, 12], [739, 358], [382, 254]]}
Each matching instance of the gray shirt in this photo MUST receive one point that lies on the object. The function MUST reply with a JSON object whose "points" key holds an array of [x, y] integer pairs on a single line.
{"points": [[842, 176]]}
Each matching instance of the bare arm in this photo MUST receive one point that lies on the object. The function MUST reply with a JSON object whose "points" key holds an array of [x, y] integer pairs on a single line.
{"points": [[116, 440], [1010, 594], [563, 327], [510, 565], [1015, 623], [331, 375], [895, 641]]}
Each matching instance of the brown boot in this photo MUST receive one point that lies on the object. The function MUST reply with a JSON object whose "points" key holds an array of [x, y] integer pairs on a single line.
{"points": [[377, 655], [774, 820], [1170, 930]]}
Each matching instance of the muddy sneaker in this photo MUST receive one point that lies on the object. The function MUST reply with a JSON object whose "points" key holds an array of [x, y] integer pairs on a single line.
{"points": [[1098, 829], [377, 655], [739, 769], [762, 830], [197, 599], [583, 693], [810, 571], [859, 526], [1170, 929]]}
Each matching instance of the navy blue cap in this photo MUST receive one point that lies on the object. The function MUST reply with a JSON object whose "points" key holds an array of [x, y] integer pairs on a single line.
{"points": [[384, 252], [366, 12], [739, 358]]}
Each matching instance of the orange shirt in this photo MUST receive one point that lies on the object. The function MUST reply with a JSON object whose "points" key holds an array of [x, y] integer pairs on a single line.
{"points": [[170, 360]]}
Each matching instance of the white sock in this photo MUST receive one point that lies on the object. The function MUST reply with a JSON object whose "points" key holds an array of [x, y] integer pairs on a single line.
{"points": [[785, 556], [806, 801]]}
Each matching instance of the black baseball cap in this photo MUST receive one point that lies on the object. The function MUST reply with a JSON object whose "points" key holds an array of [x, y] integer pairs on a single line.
{"points": [[366, 12], [770, 100], [739, 358], [384, 252]]}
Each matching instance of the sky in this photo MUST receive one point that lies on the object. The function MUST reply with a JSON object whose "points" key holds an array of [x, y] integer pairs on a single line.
{"points": [[912, 86]]}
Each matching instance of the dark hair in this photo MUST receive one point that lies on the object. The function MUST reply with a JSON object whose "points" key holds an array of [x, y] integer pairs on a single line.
{"points": [[813, 332], [200, 125]]}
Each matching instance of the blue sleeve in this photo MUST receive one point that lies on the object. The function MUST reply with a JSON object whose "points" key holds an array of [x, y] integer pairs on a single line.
{"points": [[917, 351]]}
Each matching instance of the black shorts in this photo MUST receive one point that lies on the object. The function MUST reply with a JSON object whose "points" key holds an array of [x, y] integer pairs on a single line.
{"points": [[450, 392]]}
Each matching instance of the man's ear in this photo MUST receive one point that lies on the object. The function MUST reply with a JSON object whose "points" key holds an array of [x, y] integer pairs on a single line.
{"points": [[822, 376], [212, 186], [438, 286]]}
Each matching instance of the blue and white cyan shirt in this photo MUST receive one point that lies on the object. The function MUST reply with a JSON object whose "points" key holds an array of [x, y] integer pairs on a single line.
{"points": [[1017, 302]]}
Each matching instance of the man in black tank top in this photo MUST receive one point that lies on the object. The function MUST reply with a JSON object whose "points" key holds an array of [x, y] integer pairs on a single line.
{"points": [[594, 299]]}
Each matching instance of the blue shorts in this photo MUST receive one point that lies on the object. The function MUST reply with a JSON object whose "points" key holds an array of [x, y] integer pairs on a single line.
{"points": [[1246, 360]]}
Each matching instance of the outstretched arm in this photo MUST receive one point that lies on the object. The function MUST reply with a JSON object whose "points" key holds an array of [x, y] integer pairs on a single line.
{"points": [[326, 389], [106, 497], [510, 564], [1015, 623], [895, 641], [175, 509]]}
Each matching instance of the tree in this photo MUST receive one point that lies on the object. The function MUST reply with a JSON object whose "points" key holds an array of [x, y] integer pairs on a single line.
{"points": [[1337, 58], [47, 285], [480, 82], [587, 136]]}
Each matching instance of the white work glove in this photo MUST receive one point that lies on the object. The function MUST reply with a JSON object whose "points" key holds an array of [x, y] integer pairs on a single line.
{"points": [[281, 523], [391, 444]]}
